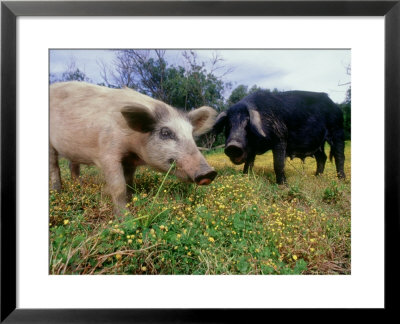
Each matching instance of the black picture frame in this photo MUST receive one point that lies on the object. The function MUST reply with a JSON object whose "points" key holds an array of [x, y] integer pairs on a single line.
{"points": [[10, 10]]}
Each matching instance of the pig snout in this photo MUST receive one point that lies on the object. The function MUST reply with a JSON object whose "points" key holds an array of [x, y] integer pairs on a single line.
{"points": [[235, 151], [196, 169], [205, 178]]}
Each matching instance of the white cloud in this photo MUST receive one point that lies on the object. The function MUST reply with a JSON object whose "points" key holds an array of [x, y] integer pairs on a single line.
{"points": [[312, 70]]}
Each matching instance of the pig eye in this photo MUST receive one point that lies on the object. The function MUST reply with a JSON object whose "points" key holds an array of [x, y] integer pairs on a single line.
{"points": [[166, 133]]}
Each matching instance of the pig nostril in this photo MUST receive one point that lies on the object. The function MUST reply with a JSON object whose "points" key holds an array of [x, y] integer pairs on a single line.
{"points": [[233, 151], [170, 161], [204, 182], [205, 179]]}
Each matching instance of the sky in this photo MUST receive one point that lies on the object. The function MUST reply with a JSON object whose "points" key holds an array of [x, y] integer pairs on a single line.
{"points": [[310, 70]]}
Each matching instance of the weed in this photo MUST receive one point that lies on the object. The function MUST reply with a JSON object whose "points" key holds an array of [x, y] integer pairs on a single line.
{"points": [[332, 193], [239, 224]]}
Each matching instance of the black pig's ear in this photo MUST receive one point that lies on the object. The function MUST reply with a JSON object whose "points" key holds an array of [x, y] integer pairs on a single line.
{"points": [[256, 123], [220, 123], [139, 118]]}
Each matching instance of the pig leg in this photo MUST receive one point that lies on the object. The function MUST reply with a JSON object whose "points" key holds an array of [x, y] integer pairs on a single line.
{"points": [[114, 175], [279, 154], [55, 176], [320, 156], [75, 170], [337, 148], [249, 164], [129, 171]]}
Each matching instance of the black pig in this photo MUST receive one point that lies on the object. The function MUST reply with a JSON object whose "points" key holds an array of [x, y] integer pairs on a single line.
{"points": [[292, 124]]}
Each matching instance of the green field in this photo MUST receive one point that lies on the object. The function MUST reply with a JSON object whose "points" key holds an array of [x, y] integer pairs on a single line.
{"points": [[240, 224]]}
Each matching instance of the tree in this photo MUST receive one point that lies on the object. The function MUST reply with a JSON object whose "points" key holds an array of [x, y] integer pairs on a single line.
{"points": [[142, 70], [52, 78], [72, 73], [202, 85], [242, 91], [147, 71], [345, 106], [346, 109], [237, 94], [256, 88], [203, 88]]}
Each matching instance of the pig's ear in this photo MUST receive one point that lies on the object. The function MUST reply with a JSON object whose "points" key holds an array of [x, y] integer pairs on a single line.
{"points": [[202, 119], [255, 122], [220, 123], [139, 118]]}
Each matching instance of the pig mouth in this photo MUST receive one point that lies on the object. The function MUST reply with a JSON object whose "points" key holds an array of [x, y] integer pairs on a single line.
{"points": [[201, 178], [238, 160], [235, 152], [205, 178]]}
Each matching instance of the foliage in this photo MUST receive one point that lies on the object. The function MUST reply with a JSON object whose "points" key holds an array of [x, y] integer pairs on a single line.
{"points": [[332, 193], [345, 106], [76, 75], [237, 94], [240, 92], [240, 224], [72, 73], [147, 71], [346, 109]]}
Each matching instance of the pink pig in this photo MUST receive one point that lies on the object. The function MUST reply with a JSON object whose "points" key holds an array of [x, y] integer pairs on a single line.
{"points": [[120, 129]]}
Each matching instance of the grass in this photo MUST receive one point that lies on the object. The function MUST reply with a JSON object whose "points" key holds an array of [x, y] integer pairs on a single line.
{"points": [[240, 224]]}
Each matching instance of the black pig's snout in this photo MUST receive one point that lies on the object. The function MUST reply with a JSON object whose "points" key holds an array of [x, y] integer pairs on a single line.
{"points": [[235, 152]]}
